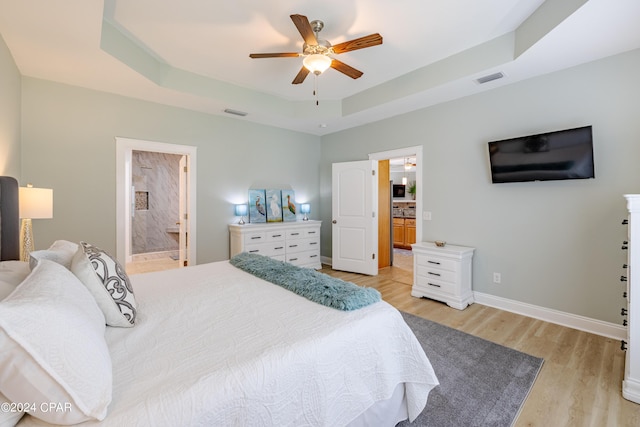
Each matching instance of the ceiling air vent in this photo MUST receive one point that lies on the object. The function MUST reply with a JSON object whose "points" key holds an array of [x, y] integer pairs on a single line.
{"points": [[235, 112], [489, 78]]}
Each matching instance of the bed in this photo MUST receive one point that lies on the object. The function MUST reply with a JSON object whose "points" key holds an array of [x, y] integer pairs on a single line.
{"points": [[211, 345]]}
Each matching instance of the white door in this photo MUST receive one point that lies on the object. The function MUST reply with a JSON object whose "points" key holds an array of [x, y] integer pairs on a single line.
{"points": [[182, 213], [354, 218]]}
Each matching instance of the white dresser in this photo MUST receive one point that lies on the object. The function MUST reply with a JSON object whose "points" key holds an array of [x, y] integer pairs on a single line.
{"points": [[295, 242], [443, 273], [631, 382]]}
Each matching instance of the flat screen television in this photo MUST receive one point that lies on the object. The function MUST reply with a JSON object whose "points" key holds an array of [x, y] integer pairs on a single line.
{"points": [[398, 191], [565, 154]]}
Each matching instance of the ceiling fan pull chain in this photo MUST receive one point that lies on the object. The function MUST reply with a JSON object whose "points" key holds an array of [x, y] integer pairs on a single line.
{"points": [[315, 89]]}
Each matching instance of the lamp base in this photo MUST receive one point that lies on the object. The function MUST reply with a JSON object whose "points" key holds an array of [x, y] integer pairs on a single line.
{"points": [[26, 239], [241, 222]]}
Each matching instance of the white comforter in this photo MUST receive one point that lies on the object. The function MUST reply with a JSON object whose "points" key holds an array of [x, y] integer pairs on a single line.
{"points": [[215, 346]]}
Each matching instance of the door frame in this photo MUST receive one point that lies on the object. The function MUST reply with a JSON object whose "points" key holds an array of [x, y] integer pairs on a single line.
{"points": [[406, 152], [124, 198]]}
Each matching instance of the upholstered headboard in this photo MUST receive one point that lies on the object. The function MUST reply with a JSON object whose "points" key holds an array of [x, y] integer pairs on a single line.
{"points": [[9, 221]]}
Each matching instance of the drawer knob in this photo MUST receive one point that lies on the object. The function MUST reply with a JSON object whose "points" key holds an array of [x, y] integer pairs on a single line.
{"points": [[624, 322], [624, 294], [293, 259], [623, 345], [625, 221], [434, 274], [256, 237], [254, 251], [434, 262], [623, 312], [623, 278], [433, 284]]}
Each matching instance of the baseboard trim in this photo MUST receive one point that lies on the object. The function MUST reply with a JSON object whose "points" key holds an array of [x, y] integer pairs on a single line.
{"points": [[581, 323], [594, 326]]}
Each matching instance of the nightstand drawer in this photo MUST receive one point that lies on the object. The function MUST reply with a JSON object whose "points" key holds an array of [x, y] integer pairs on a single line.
{"points": [[437, 262], [437, 273], [436, 286]]}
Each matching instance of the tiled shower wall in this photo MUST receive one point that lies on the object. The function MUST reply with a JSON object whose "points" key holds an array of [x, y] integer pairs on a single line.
{"points": [[156, 192]]}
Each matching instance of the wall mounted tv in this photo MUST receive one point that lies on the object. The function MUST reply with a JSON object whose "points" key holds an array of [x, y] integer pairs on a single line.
{"points": [[565, 154]]}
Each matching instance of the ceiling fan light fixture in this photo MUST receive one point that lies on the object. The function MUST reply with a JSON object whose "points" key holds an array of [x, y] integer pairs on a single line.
{"points": [[316, 63]]}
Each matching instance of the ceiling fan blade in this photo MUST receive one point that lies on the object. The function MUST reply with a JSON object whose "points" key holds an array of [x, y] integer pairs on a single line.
{"points": [[302, 24], [274, 55], [346, 69], [361, 43], [302, 74]]}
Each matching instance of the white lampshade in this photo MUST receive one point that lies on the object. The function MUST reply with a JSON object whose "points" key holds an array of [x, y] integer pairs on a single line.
{"points": [[35, 203], [316, 63]]}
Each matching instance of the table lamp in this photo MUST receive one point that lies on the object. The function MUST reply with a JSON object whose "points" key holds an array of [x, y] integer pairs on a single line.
{"points": [[305, 208], [34, 203], [241, 211]]}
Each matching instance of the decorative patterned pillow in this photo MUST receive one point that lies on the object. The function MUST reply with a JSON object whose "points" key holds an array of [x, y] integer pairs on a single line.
{"points": [[53, 348], [61, 251], [108, 283]]}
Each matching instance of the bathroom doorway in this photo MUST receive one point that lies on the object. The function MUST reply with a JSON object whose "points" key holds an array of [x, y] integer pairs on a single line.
{"points": [[156, 225]]}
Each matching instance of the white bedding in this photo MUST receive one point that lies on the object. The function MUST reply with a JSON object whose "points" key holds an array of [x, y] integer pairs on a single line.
{"points": [[215, 346]]}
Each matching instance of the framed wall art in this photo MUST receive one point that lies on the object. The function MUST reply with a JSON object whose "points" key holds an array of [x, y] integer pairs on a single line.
{"points": [[288, 205], [273, 206], [257, 206]]}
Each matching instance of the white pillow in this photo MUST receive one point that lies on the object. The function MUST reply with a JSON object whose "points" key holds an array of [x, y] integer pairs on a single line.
{"points": [[52, 347], [12, 273], [61, 251], [108, 283]]}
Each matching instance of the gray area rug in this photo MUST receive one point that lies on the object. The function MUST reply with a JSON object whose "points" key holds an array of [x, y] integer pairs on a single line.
{"points": [[481, 383]]}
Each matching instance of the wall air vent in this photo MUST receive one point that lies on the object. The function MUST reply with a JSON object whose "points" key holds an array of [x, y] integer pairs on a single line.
{"points": [[235, 112], [489, 78]]}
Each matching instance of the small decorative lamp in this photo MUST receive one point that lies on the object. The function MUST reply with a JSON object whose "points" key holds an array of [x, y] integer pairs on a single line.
{"points": [[34, 203], [305, 208], [241, 211]]}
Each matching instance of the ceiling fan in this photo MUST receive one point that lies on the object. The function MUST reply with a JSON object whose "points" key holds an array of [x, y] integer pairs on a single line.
{"points": [[316, 51]]}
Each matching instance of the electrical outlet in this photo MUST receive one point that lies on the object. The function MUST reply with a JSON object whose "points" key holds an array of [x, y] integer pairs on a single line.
{"points": [[426, 215], [497, 278]]}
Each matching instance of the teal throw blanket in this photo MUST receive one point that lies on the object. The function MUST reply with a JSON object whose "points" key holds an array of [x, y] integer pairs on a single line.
{"points": [[308, 283]]}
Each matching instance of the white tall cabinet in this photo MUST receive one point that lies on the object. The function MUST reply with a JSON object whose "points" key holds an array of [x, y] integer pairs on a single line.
{"points": [[296, 242], [631, 382]]}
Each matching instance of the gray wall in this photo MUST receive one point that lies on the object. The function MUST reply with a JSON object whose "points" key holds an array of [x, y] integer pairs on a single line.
{"points": [[9, 114], [556, 244], [68, 145]]}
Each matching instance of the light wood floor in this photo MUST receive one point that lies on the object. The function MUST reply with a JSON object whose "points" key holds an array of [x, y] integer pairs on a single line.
{"points": [[580, 383]]}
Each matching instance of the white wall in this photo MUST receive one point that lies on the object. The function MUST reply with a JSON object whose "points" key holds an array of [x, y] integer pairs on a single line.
{"points": [[556, 244], [9, 114], [68, 145]]}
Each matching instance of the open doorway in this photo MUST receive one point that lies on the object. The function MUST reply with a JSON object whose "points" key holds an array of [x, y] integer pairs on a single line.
{"points": [[400, 204], [150, 216]]}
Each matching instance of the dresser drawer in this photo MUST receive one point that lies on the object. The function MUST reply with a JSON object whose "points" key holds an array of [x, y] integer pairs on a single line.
{"points": [[267, 249], [303, 258], [300, 245], [437, 262], [264, 236], [303, 233], [437, 273]]}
